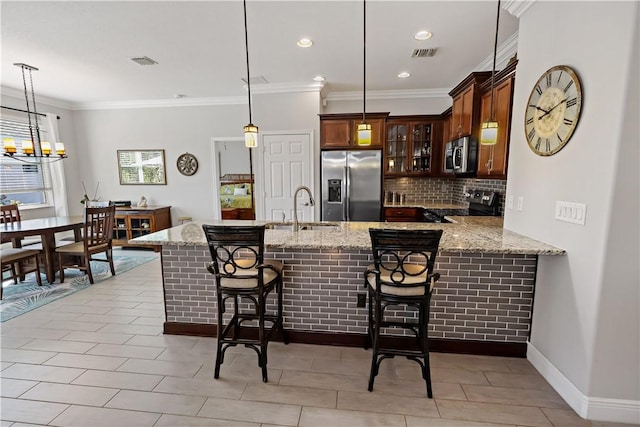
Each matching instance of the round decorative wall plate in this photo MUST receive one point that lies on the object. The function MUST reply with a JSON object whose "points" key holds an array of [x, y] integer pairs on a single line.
{"points": [[187, 164]]}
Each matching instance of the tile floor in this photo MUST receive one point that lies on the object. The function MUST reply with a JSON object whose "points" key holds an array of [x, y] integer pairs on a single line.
{"points": [[98, 358]]}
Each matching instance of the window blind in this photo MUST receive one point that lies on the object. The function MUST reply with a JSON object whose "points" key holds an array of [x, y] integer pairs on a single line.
{"points": [[20, 177]]}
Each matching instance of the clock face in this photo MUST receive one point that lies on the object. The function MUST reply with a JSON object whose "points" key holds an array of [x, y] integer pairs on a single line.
{"points": [[187, 164], [553, 110]]}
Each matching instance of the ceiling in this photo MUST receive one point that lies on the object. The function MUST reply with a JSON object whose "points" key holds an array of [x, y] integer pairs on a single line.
{"points": [[82, 48]]}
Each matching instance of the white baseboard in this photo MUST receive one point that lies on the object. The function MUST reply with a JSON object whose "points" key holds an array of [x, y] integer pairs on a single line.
{"points": [[591, 408]]}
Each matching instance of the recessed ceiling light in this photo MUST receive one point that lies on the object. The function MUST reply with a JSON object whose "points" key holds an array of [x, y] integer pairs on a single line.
{"points": [[404, 75], [304, 42], [318, 78], [422, 35]]}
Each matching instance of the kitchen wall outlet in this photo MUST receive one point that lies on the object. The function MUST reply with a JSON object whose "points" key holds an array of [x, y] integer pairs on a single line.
{"points": [[509, 202], [575, 213], [520, 203], [362, 300]]}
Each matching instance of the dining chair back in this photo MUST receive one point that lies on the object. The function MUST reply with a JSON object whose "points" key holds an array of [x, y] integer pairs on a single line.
{"points": [[9, 213], [97, 236]]}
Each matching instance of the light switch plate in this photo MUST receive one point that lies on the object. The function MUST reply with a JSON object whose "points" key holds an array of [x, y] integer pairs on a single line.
{"points": [[509, 202], [520, 204], [575, 213]]}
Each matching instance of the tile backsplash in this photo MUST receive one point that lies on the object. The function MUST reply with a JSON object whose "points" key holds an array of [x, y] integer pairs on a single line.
{"points": [[443, 190]]}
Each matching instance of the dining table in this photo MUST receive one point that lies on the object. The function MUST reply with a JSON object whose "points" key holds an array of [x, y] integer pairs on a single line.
{"points": [[46, 228]]}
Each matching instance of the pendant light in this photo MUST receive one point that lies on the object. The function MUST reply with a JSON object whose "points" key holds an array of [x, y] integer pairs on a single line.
{"points": [[33, 149], [364, 129], [250, 130], [489, 132]]}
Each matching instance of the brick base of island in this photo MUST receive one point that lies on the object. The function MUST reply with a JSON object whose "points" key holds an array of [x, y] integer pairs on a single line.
{"points": [[481, 305]]}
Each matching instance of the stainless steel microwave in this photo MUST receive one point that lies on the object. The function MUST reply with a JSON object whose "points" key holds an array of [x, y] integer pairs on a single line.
{"points": [[464, 155]]}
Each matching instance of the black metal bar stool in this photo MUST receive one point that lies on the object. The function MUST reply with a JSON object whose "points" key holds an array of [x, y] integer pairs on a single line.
{"points": [[401, 275], [242, 273]]}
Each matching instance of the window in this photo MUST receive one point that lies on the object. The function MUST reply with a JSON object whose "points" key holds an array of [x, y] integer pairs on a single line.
{"points": [[28, 182]]}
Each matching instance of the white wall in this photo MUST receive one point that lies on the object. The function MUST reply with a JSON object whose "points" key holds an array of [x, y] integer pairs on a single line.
{"points": [[576, 319], [176, 130]]}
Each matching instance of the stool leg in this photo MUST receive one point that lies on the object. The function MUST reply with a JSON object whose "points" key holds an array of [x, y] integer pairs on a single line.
{"points": [[424, 340], [220, 337], [263, 342], [375, 328], [37, 272]]}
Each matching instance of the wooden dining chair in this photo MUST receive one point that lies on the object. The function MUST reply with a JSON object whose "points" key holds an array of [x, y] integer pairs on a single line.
{"points": [[97, 234], [17, 262], [11, 214]]}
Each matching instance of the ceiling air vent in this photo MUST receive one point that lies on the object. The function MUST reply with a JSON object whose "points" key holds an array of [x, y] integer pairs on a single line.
{"points": [[143, 60], [424, 53]]}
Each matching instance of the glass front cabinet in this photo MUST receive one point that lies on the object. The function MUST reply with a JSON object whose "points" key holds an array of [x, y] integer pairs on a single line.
{"points": [[409, 147]]}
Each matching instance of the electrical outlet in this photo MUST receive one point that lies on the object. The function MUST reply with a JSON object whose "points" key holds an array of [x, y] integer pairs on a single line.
{"points": [[362, 300], [509, 202], [520, 204]]}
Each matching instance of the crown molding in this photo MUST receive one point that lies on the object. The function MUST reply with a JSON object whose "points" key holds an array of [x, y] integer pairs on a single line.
{"points": [[286, 87], [517, 7], [505, 52], [161, 103], [53, 102], [388, 94]]}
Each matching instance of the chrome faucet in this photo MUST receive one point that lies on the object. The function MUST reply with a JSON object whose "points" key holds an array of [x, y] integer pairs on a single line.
{"points": [[312, 202]]}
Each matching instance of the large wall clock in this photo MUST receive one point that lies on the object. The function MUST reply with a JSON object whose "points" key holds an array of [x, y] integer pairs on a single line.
{"points": [[553, 110], [187, 164]]}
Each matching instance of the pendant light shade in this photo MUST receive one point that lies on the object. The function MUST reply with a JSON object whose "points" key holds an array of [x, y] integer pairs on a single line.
{"points": [[364, 129], [489, 129], [364, 134], [489, 133], [251, 136], [250, 130]]}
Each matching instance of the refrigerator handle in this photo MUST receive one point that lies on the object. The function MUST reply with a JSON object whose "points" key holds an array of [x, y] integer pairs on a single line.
{"points": [[345, 192]]}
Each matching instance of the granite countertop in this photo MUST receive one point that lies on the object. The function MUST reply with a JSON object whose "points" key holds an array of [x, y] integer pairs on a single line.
{"points": [[481, 234]]}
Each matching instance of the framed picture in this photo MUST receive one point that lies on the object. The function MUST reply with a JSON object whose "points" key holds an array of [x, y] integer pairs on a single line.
{"points": [[142, 167]]}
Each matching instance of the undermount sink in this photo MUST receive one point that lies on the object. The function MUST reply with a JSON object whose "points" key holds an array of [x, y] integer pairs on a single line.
{"points": [[328, 226]]}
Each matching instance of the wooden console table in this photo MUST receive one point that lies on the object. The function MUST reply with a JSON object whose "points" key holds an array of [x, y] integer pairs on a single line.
{"points": [[132, 222]]}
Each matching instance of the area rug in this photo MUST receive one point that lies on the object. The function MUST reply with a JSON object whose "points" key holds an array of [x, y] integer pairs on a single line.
{"points": [[26, 296]]}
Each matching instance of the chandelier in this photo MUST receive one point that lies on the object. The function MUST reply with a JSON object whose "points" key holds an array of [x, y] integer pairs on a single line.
{"points": [[33, 148]]}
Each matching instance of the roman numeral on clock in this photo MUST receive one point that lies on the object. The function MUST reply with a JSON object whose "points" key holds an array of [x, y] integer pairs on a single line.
{"points": [[548, 80], [531, 134], [530, 120], [572, 102], [559, 77], [567, 122], [539, 90], [538, 142], [547, 144], [568, 86]]}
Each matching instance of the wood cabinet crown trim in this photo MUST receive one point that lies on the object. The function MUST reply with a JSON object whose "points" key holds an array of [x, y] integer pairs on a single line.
{"points": [[477, 77]]}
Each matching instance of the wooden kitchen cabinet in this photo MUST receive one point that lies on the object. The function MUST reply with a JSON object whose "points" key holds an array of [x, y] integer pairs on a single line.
{"points": [[132, 222], [465, 114], [397, 214], [492, 159], [411, 146], [340, 131]]}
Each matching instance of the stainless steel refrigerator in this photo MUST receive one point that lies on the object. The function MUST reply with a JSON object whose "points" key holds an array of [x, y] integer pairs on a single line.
{"points": [[351, 185]]}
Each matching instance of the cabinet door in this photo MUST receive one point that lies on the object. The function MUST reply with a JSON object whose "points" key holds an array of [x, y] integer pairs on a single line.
{"points": [[492, 159], [421, 147], [462, 117], [395, 152], [335, 133], [120, 229]]}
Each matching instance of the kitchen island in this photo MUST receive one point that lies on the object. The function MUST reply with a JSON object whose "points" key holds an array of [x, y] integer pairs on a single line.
{"points": [[482, 303]]}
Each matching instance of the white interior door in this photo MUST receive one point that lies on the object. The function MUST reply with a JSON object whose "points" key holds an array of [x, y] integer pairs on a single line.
{"points": [[287, 164]]}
